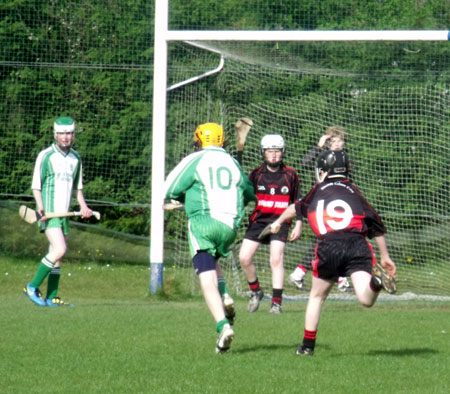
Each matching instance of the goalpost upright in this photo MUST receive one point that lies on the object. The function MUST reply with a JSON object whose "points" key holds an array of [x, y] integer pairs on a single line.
{"points": [[162, 38]]}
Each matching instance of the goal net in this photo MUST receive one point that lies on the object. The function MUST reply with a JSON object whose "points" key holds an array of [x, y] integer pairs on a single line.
{"points": [[393, 100]]}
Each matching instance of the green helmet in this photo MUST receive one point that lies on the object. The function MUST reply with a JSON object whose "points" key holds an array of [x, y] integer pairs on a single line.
{"points": [[64, 124]]}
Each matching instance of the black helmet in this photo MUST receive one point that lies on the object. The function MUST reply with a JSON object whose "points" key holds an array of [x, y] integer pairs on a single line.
{"points": [[334, 163]]}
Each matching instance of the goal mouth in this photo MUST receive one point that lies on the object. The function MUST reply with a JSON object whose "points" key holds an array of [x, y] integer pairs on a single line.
{"points": [[387, 98]]}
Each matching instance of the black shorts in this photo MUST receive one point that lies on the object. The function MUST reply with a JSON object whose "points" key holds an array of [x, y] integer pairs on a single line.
{"points": [[255, 228], [342, 257]]}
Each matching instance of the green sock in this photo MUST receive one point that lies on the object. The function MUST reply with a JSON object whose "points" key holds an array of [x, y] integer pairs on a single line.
{"points": [[43, 270], [223, 289], [220, 325], [53, 282]]}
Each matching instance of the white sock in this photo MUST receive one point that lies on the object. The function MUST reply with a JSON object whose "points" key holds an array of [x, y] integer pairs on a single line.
{"points": [[298, 274]]}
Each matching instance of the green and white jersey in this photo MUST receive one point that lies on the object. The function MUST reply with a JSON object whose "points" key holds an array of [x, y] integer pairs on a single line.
{"points": [[56, 174], [214, 185]]}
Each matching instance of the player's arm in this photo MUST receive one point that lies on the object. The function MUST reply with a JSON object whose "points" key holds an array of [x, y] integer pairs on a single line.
{"points": [[36, 186], [296, 194], [37, 193], [385, 259], [296, 231], [323, 140], [181, 177], [274, 227], [86, 212], [247, 188], [179, 180], [376, 229], [288, 213]]}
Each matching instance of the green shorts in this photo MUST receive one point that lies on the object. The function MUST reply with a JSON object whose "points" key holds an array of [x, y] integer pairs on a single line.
{"points": [[210, 235], [55, 223]]}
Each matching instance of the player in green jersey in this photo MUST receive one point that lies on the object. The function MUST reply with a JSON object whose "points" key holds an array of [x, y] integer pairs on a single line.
{"points": [[57, 173], [215, 192]]}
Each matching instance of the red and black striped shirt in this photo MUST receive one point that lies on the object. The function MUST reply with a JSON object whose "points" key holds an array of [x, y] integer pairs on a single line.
{"points": [[336, 208], [275, 191]]}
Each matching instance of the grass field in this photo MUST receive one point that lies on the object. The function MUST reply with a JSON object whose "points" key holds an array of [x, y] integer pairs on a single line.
{"points": [[118, 339]]}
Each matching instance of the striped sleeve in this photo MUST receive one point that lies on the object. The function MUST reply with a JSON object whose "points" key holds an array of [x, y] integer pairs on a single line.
{"points": [[182, 176]]}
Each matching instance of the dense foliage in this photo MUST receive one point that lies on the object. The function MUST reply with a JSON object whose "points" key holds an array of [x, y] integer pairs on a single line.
{"points": [[93, 60]]}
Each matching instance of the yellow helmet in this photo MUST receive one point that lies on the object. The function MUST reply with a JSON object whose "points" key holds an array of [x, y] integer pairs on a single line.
{"points": [[209, 134]]}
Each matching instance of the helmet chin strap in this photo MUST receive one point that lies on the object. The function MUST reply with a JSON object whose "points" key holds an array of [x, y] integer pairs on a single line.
{"points": [[320, 177], [64, 148], [197, 145]]}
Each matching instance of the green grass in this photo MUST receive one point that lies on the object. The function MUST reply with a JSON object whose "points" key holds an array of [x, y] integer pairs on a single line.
{"points": [[118, 339]]}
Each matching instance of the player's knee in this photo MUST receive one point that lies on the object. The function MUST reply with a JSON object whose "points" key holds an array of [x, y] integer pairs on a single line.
{"points": [[58, 252], [203, 262], [276, 262], [245, 259]]}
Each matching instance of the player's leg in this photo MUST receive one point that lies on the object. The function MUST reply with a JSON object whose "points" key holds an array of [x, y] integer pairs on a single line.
{"points": [[205, 266], [57, 249], [209, 238], [277, 267], [367, 282], [223, 289], [343, 284], [246, 253], [57, 245], [297, 277], [228, 302], [209, 286], [365, 293], [319, 291], [368, 286]]}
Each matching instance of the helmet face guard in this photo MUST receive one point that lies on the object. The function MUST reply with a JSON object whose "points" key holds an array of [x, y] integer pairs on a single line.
{"points": [[334, 164], [208, 134]]}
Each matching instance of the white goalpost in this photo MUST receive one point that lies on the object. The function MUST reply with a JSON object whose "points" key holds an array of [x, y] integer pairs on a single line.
{"points": [[164, 36]]}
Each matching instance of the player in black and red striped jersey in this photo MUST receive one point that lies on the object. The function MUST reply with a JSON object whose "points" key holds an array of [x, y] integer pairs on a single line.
{"points": [[342, 219], [333, 139], [276, 187]]}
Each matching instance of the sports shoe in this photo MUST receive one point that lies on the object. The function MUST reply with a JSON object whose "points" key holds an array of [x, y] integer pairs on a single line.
{"points": [[228, 304], [255, 298], [305, 351], [275, 308], [343, 284], [226, 336], [55, 301], [386, 281], [34, 294], [298, 283]]}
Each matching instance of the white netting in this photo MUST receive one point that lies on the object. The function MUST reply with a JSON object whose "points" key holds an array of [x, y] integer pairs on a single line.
{"points": [[396, 112]]}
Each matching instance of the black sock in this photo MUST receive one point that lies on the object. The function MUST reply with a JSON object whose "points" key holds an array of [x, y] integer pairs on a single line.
{"points": [[254, 286], [309, 338], [277, 296]]}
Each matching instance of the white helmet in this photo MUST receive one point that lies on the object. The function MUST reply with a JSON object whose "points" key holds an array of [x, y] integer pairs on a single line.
{"points": [[64, 124], [272, 141]]}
